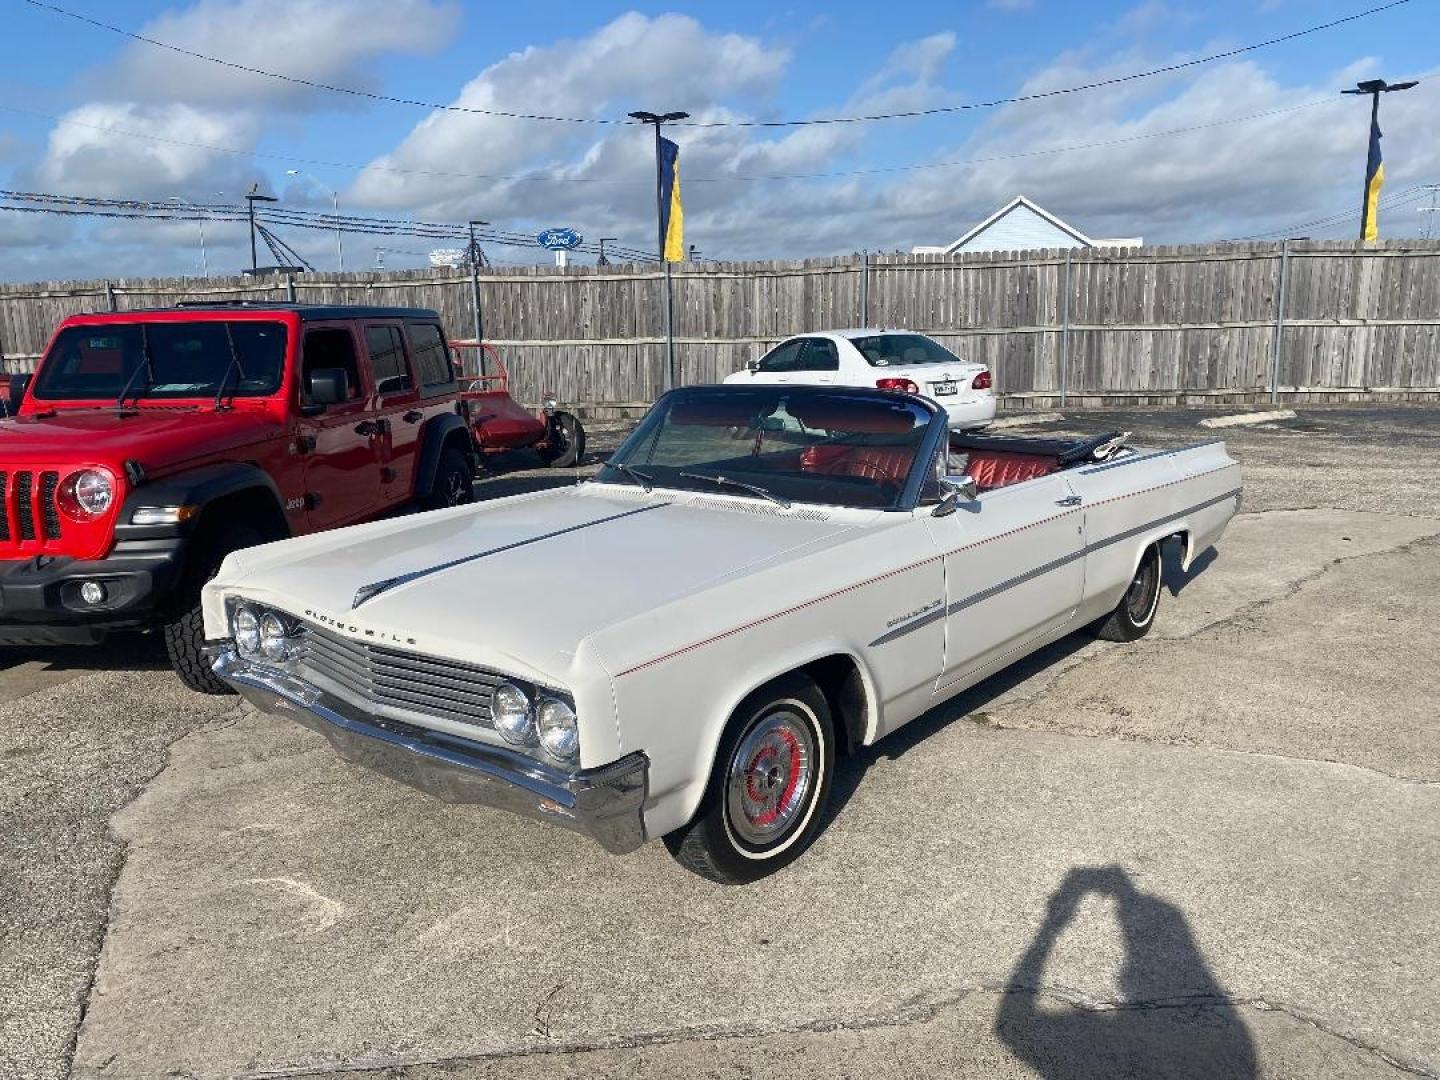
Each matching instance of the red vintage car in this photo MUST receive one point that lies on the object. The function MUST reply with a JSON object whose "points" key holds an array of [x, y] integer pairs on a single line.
{"points": [[498, 422]]}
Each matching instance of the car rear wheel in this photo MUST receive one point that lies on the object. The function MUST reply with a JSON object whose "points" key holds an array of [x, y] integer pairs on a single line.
{"points": [[1135, 614], [566, 445], [769, 787], [185, 634]]}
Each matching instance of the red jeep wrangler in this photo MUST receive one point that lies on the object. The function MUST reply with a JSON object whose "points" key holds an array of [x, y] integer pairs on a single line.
{"points": [[150, 444]]}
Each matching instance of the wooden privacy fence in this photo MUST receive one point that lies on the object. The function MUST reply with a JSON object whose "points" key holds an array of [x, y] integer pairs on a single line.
{"points": [[1240, 322]]}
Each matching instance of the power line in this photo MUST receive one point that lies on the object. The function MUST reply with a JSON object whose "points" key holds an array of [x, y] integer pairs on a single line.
{"points": [[1398, 198], [908, 114], [740, 177]]}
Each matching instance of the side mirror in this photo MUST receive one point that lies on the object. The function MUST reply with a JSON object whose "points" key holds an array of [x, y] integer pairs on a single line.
{"points": [[329, 386], [752, 366], [962, 487], [18, 386]]}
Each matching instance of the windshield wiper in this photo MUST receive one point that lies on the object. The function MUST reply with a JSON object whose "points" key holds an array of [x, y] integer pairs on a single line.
{"points": [[715, 478], [146, 364], [645, 480], [233, 366]]}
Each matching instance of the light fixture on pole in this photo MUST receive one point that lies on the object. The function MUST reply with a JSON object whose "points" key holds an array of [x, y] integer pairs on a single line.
{"points": [[251, 198], [1374, 168], [659, 120], [602, 260], [200, 220], [334, 210]]}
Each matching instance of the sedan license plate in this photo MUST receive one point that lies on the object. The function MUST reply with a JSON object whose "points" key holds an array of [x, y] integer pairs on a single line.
{"points": [[943, 388]]}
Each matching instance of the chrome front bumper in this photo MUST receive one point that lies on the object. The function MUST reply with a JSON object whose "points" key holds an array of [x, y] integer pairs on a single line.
{"points": [[604, 803]]}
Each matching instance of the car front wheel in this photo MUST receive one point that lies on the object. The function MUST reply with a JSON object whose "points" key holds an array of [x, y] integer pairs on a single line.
{"points": [[768, 789]]}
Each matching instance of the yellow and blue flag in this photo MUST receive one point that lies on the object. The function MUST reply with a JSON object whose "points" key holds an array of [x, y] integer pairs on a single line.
{"points": [[1374, 179], [672, 216]]}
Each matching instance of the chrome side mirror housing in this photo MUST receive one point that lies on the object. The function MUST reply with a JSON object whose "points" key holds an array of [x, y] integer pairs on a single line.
{"points": [[752, 366], [956, 489]]}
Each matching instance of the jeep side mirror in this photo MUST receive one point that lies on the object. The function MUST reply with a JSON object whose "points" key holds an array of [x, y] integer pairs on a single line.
{"points": [[18, 385], [960, 487], [329, 386]]}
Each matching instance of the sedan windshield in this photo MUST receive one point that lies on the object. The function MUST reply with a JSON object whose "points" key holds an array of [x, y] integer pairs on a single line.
{"points": [[806, 444], [902, 350], [187, 359]]}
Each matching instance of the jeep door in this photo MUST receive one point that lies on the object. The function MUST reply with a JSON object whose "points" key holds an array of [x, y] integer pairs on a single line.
{"points": [[342, 453], [397, 408], [434, 373]]}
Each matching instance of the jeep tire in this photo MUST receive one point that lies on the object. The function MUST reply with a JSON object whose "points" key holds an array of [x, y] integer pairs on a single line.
{"points": [[185, 634], [454, 481]]}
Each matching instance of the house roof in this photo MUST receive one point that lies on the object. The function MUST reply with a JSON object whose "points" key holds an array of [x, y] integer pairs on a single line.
{"points": [[1019, 201]]}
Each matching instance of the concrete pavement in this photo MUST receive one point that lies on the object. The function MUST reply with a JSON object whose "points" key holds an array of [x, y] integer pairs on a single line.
{"points": [[1214, 850]]}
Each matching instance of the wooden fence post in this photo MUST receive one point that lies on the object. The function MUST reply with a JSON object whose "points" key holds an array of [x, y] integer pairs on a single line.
{"points": [[1279, 321], [865, 288], [1065, 331], [110, 295]]}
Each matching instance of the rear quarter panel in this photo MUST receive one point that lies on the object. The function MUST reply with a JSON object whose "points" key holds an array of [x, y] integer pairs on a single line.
{"points": [[1132, 502]]}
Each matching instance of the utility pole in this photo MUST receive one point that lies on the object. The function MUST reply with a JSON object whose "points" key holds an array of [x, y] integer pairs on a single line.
{"points": [[602, 260], [475, 291], [334, 212], [251, 198], [1368, 204], [200, 220]]}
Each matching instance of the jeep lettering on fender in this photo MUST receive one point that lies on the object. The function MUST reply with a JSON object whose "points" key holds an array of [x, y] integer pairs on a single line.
{"points": [[150, 444]]}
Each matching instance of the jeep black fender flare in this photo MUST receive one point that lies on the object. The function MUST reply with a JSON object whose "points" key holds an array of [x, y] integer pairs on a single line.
{"points": [[439, 432], [201, 488]]}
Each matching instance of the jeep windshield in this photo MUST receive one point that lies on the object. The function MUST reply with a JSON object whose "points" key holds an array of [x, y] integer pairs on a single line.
{"points": [[801, 444], [186, 360]]}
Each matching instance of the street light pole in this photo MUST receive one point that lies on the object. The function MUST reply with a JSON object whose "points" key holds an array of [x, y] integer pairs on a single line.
{"points": [[602, 260], [199, 220], [1373, 87], [659, 120], [334, 212]]}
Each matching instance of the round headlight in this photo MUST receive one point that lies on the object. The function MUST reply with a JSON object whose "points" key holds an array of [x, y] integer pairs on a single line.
{"points": [[87, 493], [247, 631], [510, 709], [559, 734], [272, 636]]}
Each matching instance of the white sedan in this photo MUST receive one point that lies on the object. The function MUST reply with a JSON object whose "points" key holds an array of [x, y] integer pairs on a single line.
{"points": [[760, 579], [887, 359]]}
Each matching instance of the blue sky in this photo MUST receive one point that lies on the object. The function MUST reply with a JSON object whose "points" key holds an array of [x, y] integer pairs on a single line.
{"points": [[96, 94]]}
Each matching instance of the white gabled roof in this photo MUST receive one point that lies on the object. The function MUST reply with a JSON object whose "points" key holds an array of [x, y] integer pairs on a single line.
{"points": [[1021, 201]]}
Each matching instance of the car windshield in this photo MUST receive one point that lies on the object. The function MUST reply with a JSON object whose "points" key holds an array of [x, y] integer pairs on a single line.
{"points": [[187, 359], [903, 350], [815, 445]]}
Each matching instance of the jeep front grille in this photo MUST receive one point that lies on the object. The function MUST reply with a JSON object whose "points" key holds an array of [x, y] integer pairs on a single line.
{"points": [[396, 682], [18, 500]]}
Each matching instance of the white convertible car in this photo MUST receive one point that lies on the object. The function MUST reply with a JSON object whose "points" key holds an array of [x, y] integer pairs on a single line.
{"points": [[760, 579]]}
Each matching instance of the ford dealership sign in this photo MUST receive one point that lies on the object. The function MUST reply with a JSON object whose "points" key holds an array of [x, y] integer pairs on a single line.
{"points": [[559, 239]]}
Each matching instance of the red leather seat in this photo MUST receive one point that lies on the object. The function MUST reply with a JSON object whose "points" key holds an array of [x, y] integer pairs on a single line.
{"points": [[999, 468], [887, 463]]}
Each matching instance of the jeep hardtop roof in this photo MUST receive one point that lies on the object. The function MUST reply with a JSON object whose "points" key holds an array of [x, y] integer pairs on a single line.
{"points": [[307, 312]]}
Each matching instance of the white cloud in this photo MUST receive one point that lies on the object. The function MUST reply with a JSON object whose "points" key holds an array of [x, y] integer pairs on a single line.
{"points": [[319, 40]]}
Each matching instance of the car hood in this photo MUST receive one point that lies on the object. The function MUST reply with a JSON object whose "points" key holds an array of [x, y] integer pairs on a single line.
{"points": [[156, 436], [518, 584]]}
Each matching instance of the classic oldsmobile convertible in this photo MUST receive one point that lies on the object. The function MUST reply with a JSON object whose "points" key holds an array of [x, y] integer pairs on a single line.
{"points": [[760, 579]]}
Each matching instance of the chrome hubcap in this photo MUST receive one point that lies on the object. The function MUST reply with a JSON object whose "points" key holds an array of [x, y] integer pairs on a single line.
{"points": [[770, 777], [1141, 595]]}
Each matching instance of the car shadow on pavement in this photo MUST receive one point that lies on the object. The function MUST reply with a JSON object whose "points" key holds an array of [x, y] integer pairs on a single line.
{"points": [[1172, 576], [1173, 1018]]}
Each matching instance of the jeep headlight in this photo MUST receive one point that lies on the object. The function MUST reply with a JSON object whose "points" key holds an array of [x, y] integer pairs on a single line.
{"points": [[246, 627], [558, 731], [86, 494]]}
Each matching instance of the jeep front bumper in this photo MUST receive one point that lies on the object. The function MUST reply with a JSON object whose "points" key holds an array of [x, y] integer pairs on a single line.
{"points": [[604, 803]]}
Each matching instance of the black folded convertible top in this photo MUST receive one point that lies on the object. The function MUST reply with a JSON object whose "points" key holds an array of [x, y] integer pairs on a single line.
{"points": [[1065, 451]]}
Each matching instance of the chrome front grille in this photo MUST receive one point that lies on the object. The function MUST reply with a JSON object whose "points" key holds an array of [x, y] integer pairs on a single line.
{"points": [[395, 681]]}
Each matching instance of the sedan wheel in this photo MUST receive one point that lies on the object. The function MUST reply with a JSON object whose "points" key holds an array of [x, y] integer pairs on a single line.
{"points": [[1135, 614]]}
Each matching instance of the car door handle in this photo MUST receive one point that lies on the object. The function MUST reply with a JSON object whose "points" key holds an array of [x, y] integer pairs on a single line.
{"points": [[370, 428], [1069, 500], [414, 416]]}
